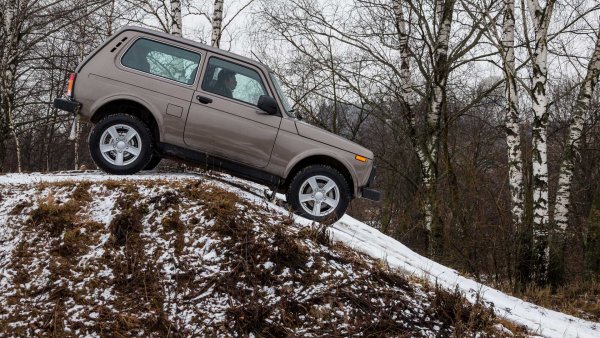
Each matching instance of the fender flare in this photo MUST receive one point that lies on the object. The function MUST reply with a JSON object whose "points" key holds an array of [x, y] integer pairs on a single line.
{"points": [[323, 153], [153, 110]]}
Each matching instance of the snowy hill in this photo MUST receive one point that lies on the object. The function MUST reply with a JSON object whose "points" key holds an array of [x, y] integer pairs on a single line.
{"points": [[190, 255]]}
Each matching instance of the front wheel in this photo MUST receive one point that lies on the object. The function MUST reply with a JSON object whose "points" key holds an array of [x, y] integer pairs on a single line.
{"points": [[319, 193], [121, 144]]}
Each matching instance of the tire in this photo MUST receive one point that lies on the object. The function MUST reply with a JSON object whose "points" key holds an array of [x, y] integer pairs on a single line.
{"points": [[121, 144], [154, 161], [331, 199]]}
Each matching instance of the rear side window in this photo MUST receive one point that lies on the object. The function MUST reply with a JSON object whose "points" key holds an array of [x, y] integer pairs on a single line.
{"points": [[163, 60], [233, 81]]}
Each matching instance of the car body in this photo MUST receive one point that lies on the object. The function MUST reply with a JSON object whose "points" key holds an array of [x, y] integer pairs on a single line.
{"points": [[181, 92]]}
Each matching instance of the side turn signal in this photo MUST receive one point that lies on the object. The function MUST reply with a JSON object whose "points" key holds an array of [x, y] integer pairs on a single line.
{"points": [[69, 92]]}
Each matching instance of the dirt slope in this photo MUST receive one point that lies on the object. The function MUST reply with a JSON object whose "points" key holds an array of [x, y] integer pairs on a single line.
{"points": [[186, 257]]}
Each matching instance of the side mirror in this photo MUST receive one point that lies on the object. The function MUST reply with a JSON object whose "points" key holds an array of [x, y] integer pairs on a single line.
{"points": [[267, 104]]}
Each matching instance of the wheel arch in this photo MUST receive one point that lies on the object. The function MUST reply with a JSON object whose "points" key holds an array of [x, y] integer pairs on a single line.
{"points": [[131, 106], [324, 160]]}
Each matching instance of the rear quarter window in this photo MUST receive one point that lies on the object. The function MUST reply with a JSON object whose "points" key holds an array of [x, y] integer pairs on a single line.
{"points": [[162, 60]]}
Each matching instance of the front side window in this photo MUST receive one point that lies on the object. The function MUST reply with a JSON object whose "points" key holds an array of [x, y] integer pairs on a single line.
{"points": [[233, 81], [163, 60]]}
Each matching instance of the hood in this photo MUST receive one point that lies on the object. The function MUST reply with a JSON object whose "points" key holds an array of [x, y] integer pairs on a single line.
{"points": [[323, 136]]}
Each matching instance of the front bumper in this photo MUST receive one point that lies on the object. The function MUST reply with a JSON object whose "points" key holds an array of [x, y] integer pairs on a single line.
{"points": [[67, 105], [368, 192], [371, 194]]}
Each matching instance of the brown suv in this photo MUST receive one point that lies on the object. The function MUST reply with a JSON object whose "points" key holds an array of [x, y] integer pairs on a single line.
{"points": [[152, 95]]}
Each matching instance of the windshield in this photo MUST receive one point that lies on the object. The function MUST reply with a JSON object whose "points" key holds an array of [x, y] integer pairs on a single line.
{"points": [[282, 97]]}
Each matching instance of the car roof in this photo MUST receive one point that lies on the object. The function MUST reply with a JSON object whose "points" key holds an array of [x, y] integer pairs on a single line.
{"points": [[193, 43]]}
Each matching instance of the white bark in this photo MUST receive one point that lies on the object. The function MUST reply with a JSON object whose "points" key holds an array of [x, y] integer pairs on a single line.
{"points": [[409, 96], [444, 13], [176, 22], [563, 195], [409, 100], [427, 150], [82, 53], [8, 76], [111, 19], [25, 25], [541, 20], [217, 21], [76, 144], [513, 138], [13, 131]]}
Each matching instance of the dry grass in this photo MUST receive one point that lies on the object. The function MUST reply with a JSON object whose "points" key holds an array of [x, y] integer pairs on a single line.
{"points": [[137, 278], [464, 316], [126, 224], [81, 192], [41, 186], [54, 216], [172, 222], [581, 299], [169, 199], [19, 207], [76, 240], [277, 279]]}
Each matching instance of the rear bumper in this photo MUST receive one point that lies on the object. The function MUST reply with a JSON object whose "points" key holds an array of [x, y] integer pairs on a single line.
{"points": [[67, 105], [368, 192]]}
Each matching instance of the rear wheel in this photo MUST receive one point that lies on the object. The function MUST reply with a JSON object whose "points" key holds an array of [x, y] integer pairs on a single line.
{"points": [[121, 144], [319, 193]]}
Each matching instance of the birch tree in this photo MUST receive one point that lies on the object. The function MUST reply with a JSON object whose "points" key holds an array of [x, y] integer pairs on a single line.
{"points": [[25, 24], [540, 17], [512, 129], [444, 11], [427, 151], [422, 47], [176, 22], [563, 195], [505, 44], [8, 71], [216, 21], [164, 15]]}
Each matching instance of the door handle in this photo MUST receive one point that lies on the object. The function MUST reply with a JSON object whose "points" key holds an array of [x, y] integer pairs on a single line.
{"points": [[203, 99]]}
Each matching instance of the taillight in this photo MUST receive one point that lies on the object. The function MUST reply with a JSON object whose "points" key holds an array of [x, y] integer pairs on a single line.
{"points": [[69, 92]]}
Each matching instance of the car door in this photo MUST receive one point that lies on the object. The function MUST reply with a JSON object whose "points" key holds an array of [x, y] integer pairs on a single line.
{"points": [[224, 120]]}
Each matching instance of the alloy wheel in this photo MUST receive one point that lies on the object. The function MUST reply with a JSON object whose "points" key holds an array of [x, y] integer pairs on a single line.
{"points": [[319, 195], [120, 145]]}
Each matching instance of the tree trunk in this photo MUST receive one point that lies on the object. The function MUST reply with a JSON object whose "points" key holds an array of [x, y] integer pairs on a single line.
{"points": [[511, 126], [13, 132], [176, 22], [427, 149], [334, 119], [8, 73], [563, 196], [111, 19], [437, 105], [82, 53], [592, 238], [217, 20], [541, 19], [408, 99]]}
